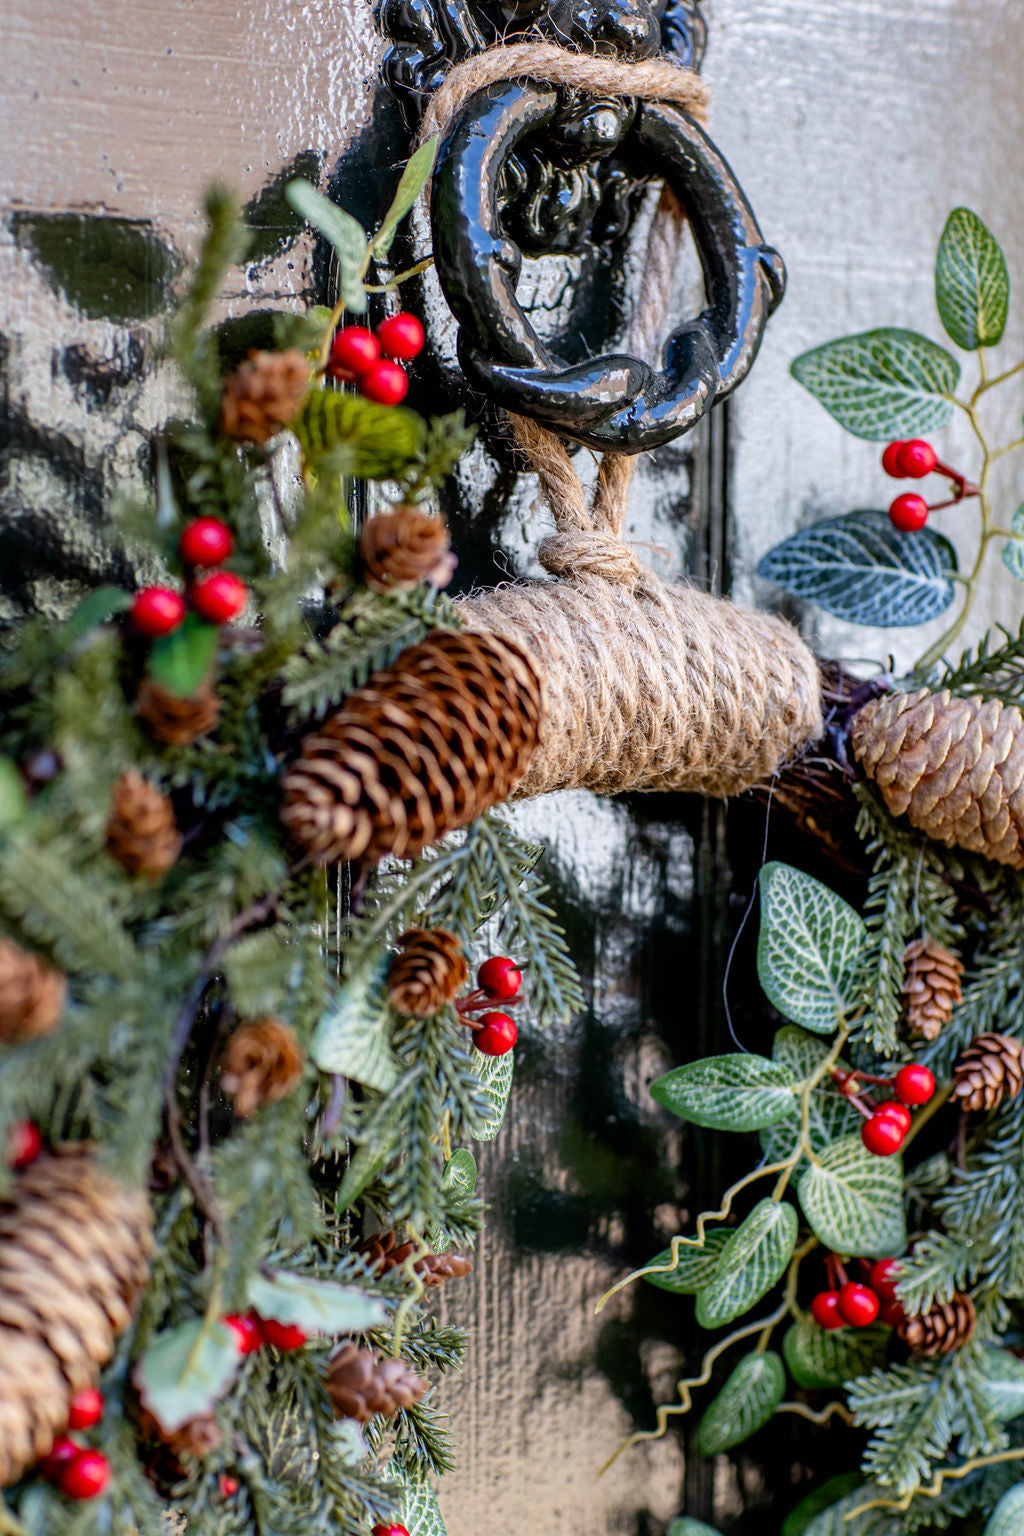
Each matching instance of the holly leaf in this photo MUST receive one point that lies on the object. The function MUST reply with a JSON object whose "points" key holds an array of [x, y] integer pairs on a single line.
{"points": [[352, 1037], [735, 1092], [1013, 549], [694, 1268], [181, 661], [753, 1259], [318, 1306], [186, 1370], [882, 384], [859, 567], [854, 1200], [343, 232], [819, 1357], [1007, 1519], [808, 950], [972, 285], [745, 1404], [495, 1074], [414, 178]]}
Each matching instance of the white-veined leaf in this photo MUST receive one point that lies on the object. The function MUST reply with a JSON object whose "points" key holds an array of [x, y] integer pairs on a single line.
{"points": [[319, 1306], [829, 1114], [1013, 549], [1007, 1519], [695, 1266], [882, 384], [352, 1037], [736, 1092], [495, 1073], [185, 1370], [820, 1357], [854, 1200], [834, 1520], [458, 1177], [798, 1521], [753, 1259], [346, 235], [414, 178], [1003, 1377], [972, 285], [808, 949], [421, 1511], [688, 1527], [746, 1403]]}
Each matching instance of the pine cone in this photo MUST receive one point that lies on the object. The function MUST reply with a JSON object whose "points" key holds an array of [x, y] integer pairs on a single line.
{"points": [[196, 1437], [141, 833], [946, 1327], [74, 1249], [361, 1384], [426, 746], [31, 994], [262, 1064], [428, 973], [403, 547], [173, 718], [989, 1071], [383, 1253], [955, 767], [263, 396], [931, 986]]}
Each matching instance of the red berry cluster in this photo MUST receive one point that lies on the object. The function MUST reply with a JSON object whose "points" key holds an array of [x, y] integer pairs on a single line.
{"points": [[849, 1303], [373, 360], [912, 460], [217, 598], [252, 1332], [497, 981], [886, 1125], [77, 1470], [390, 1530]]}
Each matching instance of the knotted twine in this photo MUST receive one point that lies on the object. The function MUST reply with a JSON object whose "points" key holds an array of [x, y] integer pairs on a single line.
{"points": [[646, 684]]}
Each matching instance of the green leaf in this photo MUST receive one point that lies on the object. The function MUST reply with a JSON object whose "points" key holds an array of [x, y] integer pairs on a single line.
{"points": [[1013, 549], [181, 661], [13, 795], [729, 1093], [421, 1513], [1007, 1519], [414, 178], [345, 234], [861, 568], [319, 1306], [688, 1527], [495, 1073], [95, 609], [818, 1357], [882, 384], [829, 1115], [460, 1175], [854, 1201], [808, 949], [833, 1521], [358, 437], [746, 1403], [186, 1370], [753, 1259], [695, 1266], [798, 1519], [352, 1037], [972, 285], [1003, 1383], [258, 969]]}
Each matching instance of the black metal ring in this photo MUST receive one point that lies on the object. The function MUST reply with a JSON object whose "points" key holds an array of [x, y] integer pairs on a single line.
{"points": [[613, 401]]}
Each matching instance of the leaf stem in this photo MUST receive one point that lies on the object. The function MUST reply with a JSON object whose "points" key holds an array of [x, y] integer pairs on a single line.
{"points": [[836, 1410], [934, 1488], [400, 277]]}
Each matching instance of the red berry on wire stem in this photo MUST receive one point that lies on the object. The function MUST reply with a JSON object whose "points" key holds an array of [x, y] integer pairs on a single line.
{"points": [[61, 1453], [500, 977], [857, 1305], [882, 1135], [891, 460], [247, 1330], [390, 1530], [283, 1336], [916, 458], [219, 598], [24, 1143], [883, 1278], [385, 383], [497, 1035], [354, 351], [825, 1310], [401, 336], [914, 1083], [157, 611], [206, 541], [891, 1314], [86, 1408], [86, 1476], [909, 512], [898, 1112], [228, 1485]]}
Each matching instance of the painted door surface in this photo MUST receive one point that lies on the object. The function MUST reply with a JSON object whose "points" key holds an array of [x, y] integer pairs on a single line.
{"points": [[854, 128]]}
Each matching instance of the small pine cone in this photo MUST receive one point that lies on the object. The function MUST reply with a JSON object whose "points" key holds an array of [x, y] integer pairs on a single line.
{"points": [[931, 986], [428, 745], [176, 719], [361, 1384], [196, 1437], [262, 1064], [989, 1071], [383, 1253], [946, 1327], [403, 547], [74, 1256], [141, 833], [31, 994], [263, 396], [954, 767], [430, 970]]}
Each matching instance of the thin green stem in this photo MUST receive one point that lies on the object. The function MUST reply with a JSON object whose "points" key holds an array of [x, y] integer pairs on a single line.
{"points": [[997, 453], [999, 378], [401, 277]]}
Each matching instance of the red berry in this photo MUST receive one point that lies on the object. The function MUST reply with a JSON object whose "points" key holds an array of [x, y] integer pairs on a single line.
{"points": [[825, 1310], [891, 460], [883, 1278], [206, 541], [157, 610], [61, 1453], [917, 458], [401, 336], [390, 1530], [908, 512], [857, 1305], [385, 383], [353, 351], [86, 1476], [248, 1331], [283, 1336], [24, 1143], [898, 1112], [228, 1486], [498, 1035], [219, 598], [882, 1134], [501, 977], [914, 1083], [891, 1314], [86, 1408]]}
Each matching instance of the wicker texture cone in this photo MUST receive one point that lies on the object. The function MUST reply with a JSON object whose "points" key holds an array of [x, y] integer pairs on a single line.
{"points": [[31, 994], [263, 396], [74, 1251], [427, 746], [427, 973], [177, 719], [403, 547], [262, 1064], [931, 986], [383, 1252], [141, 833], [946, 1327], [989, 1071], [954, 767], [361, 1384]]}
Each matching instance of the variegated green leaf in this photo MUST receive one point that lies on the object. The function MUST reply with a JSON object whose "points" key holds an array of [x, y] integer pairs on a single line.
{"points": [[854, 1201], [882, 384], [753, 1259], [736, 1092], [495, 1074], [1003, 1377], [829, 1115], [695, 1266], [839, 1518], [1007, 1519], [414, 178], [688, 1527], [746, 1403], [344, 233], [808, 950], [1013, 549], [421, 1511], [972, 285], [820, 1357], [799, 1519], [352, 1037]]}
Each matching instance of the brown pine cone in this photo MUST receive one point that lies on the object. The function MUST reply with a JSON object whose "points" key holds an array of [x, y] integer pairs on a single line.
{"points": [[430, 970], [946, 1327], [989, 1071], [403, 547], [263, 396], [361, 1384], [196, 1437], [954, 767], [74, 1256], [383, 1253], [931, 986], [262, 1064], [173, 718], [428, 745], [141, 833], [31, 994]]}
